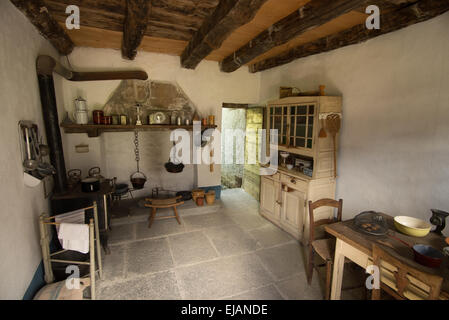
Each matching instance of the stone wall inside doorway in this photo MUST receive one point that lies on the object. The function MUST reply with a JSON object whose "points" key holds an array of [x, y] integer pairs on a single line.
{"points": [[232, 174]]}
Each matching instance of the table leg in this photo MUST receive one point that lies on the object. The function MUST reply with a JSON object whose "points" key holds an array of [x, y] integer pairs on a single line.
{"points": [[153, 214], [337, 277], [176, 214]]}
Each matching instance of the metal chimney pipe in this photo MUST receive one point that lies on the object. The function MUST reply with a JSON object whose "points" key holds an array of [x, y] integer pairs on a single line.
{"points": [[44, 67]]}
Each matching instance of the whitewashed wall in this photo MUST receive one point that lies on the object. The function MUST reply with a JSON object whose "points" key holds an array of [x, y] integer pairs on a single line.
{"points": [[394, 154], [20, 205], [206, 87]]}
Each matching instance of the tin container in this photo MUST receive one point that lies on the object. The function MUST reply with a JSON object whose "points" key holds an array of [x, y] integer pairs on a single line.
{"points": [[123, 119], [106, 120], [115, 119], [97, 115], [204, 121]]}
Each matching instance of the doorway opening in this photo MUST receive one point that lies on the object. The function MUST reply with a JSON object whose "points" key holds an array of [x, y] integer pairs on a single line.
{"points": [[238, 119]]}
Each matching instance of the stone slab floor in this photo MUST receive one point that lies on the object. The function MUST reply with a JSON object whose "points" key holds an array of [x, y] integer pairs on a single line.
{"points": [[230, 254]]}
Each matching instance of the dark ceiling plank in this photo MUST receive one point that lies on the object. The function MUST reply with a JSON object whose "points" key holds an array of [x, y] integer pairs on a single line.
{"points": [[391, 21], [134, 27], [162, 23], [312, 15], [37, 13], [227, 17]]}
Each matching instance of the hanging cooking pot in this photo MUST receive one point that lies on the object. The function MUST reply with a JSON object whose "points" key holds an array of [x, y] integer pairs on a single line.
{"points": [[138, 179], [173, 167], [90, 185]]}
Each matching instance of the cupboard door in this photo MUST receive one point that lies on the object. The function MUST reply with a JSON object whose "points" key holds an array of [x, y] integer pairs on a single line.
{"points": [[302, 118], [268, 197], [293, 209], [278, 119]]}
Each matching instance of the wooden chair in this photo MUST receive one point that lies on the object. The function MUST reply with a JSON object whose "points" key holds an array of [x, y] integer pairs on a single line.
{"points": [[325, 248], [401, 277], [163, 203]]}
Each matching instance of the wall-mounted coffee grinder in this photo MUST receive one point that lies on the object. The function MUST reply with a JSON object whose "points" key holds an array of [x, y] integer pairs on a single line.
{"points": [[438, 219]]}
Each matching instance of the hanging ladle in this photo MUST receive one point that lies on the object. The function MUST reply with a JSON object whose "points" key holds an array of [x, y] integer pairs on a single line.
{"points": [[29, 164]]}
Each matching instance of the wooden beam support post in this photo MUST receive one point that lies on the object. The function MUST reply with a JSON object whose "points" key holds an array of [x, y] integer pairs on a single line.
{"points": [[37, 13], [227, 17], [137, 15], [390, 21], [312, 15]]}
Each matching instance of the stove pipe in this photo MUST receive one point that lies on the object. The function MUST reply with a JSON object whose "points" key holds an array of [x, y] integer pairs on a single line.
{"points": [[44, 67]]}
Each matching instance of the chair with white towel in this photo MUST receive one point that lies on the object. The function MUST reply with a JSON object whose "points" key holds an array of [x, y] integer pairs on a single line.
{"points": [[75, 235]]}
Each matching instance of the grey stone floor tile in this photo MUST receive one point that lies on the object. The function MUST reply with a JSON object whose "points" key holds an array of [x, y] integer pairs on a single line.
{"points": [[222, 278], [191, 247], [297, 288], [229, 240], [264, 293], [159, 228], [160, 286], [270, 235], [147, 256], [206, 221], [284, 260], [114, 263], [249, 221], [121, 233]]}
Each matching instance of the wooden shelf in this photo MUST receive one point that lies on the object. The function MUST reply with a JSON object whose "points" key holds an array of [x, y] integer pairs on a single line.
{"points": [[94, 130]]}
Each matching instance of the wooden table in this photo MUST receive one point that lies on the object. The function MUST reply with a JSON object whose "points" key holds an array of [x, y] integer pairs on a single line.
{"points": [[357, 246]]}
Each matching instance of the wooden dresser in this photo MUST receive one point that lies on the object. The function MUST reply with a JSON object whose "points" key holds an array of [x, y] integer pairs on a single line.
{"points": [[285, 194]]}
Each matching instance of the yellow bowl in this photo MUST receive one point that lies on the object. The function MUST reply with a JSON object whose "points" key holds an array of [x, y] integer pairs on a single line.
{"points": [[412, 226]]}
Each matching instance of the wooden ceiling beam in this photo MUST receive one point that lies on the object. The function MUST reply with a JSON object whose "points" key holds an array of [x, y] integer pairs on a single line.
{"points": [[37, 13], [134, 27], [227, 17], [312, 15], [391, 21]]}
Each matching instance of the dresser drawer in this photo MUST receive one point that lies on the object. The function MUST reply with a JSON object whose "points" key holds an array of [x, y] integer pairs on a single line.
{"points": [[274, 177], [294, 182]]}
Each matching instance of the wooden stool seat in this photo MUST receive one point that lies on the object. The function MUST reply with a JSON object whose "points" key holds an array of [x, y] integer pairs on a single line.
{"points": [[325, 248], [155, 204]]}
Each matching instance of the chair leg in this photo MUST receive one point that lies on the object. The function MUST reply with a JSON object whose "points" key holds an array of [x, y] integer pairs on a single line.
{"points": [[328, 279], [176, 214], [375, 294], [310, 265], [153, 214], [92, 259]]}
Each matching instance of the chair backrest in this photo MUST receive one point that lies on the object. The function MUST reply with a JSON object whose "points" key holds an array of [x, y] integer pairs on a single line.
{"points": [[403, 270], [323, 203]]}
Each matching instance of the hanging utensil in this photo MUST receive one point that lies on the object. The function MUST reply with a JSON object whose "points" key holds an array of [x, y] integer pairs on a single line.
{"points": [[29, 164], [138, 179], [322, 133], [333, 125]]}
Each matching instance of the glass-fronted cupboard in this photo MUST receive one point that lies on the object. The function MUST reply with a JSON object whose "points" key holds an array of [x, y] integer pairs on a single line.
{"points": [[295, 124]]}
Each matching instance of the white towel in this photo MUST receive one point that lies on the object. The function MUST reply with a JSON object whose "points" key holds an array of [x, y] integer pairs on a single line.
{"points": [[74, 236], [77, 216]]}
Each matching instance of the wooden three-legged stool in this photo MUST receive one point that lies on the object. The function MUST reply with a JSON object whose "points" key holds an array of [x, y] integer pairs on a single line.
{"points": [[163, 203]]}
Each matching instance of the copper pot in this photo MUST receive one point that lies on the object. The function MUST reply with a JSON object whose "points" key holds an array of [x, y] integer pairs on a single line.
{"points": [[200, 201]]}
